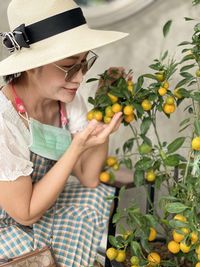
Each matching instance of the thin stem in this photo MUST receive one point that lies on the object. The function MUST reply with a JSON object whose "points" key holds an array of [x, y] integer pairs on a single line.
{"points": [[135, 135]]}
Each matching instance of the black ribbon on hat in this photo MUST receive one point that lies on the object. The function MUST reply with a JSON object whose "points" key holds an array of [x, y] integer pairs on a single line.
{"points": [[24, 36]]}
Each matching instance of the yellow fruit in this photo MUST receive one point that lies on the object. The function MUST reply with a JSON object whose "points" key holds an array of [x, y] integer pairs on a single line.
{"points": [[130, 88], [110, 161], [194, 237], [129, 118], [196, 143], [109, 112], [90, 115], [177, 237], [134, 265], [134, 260], [180, 218], [198, 257], [104, 177], [177, 93], [150, 176], [169, 108], [98, 115], [146, 105], [144, 148], [166, 85], [169, 100], [198, 264], [185, 230], [116, 167], [173, 247], [153, 258], [198, 73], [116, 107], [121, 256], [160, 76], [184, 247], [127, 234], [111, 253], [162, 91], [197, 250], [113, 98], [153, 234], [107, 120], [128, 110]]}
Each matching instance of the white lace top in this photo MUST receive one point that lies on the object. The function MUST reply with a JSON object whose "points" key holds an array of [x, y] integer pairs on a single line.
{"points": [[15, 137]]}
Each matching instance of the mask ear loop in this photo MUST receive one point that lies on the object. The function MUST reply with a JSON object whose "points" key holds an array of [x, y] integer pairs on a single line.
{"points": [[21, 109]]}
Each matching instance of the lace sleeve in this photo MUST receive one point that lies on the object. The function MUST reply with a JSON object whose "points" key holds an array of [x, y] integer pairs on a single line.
{"points": [[15, 155]]}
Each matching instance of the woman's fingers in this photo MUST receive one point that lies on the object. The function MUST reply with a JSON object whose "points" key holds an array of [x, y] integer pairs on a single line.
{"points": [[115, 122]]}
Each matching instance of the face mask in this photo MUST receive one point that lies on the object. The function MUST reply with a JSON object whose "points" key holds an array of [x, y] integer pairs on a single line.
{"points": [[48, 141]]}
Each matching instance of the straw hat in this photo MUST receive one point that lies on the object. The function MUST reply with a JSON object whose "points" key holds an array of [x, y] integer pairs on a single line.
{"points": [[45, 31]]}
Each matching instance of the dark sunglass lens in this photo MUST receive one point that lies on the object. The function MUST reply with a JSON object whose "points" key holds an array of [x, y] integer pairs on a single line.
{"points": [[73, 71]]}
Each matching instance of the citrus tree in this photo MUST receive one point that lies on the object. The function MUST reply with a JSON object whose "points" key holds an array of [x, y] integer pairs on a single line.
{"points": [[159, 163]]}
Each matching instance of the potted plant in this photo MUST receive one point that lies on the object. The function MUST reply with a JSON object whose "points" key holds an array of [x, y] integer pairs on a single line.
{"points": [[160, 164]]}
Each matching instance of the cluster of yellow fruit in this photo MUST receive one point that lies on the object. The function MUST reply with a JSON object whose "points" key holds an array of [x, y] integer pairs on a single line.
{"points": [[169, 105], [111, 162], [153, 258], [179, 238], [105, 115]]}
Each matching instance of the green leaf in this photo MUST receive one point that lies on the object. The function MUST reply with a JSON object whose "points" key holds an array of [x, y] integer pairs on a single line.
{"points": [[177, 224], [128, 163], [144, 127], [151, 220], [186, 75], [144, 163], [197, 27], [164, 55], [150, 76], [175, 145], [116, 217], [175, 207], [172, 160], [91, 100], [114, 242], [92, 80], [184, 43], [166, 27], [187, 67], [139, 83], [187, 57], [135, 246], [138, 177], [184, 122], [186, 18], [128, 145], [197, 127]]}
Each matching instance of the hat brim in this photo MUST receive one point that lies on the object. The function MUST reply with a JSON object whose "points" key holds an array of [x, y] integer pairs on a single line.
{"points": [[58, 47]]}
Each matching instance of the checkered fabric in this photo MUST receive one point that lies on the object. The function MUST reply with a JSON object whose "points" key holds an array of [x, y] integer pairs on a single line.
{"points": [[81, 215]]}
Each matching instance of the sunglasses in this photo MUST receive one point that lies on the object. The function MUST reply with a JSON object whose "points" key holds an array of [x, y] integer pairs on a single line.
{"points": [[83, 66]]}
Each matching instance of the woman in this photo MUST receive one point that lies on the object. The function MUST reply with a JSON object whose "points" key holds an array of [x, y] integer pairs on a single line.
{"points": [[45, 137]]}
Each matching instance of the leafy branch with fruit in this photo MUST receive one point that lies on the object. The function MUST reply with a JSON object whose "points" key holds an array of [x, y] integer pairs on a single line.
{"points": [[173, 224]]}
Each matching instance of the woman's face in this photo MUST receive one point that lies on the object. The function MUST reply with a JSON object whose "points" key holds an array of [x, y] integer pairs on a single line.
{"points": [[51, 80]]}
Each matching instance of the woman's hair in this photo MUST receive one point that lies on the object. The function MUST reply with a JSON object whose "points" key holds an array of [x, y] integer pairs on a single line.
{"points": [[11, 77]]}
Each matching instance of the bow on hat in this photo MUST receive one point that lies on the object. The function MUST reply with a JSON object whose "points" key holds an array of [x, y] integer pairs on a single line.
{"points": [[16, 39]]}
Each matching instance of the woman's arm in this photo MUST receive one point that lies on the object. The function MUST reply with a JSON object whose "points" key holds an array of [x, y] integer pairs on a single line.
{"points": [[90, 165], [25, 202]]}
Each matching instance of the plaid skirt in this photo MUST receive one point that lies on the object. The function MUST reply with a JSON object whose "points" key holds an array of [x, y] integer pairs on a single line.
{"points": [[80, 217]]}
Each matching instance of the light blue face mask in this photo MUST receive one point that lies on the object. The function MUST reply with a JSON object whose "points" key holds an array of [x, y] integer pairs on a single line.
{"points": [[48, 141]]}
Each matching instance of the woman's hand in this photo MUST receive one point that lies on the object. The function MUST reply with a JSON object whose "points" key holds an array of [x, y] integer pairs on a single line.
{"points": [[96, 133]]}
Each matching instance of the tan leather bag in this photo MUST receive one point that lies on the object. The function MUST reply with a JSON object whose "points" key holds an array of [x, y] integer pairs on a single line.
{"points": [[37, 258]]}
